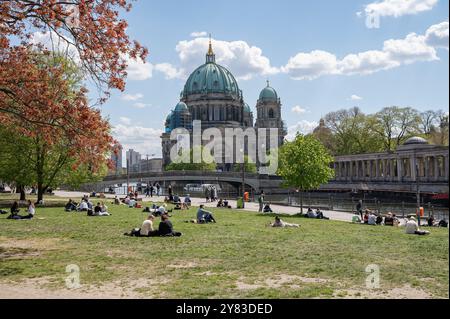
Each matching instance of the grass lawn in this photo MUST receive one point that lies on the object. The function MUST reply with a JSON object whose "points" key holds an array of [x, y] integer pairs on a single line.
{"points": [[237, 257]]}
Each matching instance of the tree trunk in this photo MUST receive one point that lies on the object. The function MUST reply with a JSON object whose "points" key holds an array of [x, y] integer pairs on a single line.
{"points": [[300, 195], [21, 190]]}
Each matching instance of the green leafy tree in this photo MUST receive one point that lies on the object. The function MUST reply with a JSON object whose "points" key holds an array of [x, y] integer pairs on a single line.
{"points": [[304, 164]]}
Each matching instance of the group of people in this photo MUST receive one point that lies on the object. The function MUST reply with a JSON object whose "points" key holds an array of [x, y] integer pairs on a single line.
{"points": [[181, 205], [87, 206], [152, 189], [223, 203], [165, 228], [14, 211], [318, 214], [211, 194]]}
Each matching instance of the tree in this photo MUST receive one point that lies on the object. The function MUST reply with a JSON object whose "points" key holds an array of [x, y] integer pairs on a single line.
{"points": [[61, 132], [439, 134], [250, 165], [428, 121], [206, 164], [352, 132], [89, 32], [304, 164], [395, 124]]}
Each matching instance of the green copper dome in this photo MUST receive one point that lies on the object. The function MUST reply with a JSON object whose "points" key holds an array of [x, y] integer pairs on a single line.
{"points": [[211, 78], [268, 93], [247, 108], [181, 107]]}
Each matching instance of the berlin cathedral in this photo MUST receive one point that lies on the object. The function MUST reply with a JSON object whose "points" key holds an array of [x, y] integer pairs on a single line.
{"points": [[212, 95]]}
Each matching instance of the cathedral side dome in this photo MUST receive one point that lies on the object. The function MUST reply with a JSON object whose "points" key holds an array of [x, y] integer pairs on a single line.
{"points": [[268, 94]]}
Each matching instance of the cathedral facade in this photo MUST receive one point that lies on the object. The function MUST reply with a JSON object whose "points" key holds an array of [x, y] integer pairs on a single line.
{"points": [[212, 95]]}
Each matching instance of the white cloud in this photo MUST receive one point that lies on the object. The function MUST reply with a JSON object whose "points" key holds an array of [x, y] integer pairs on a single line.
{"points": [[142, 139], [308, 66], [125, 120], [169, 71], [437, 35], [299, 110], [413, 48], [199, 34], [52, 42], [243, 60], [138, 70], [304, 127], [355, 97], [141, 105], [398, 8], [132, 97]]}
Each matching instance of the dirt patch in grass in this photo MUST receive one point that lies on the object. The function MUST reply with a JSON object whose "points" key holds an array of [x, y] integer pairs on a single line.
{"points": [[26, 248], [187, 264], [38, 288], [404, 292], [279, 281]]}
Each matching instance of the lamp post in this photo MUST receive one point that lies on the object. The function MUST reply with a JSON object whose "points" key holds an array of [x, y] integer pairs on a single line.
{"points": [[418, 191], [243, 179], [128, 177]]}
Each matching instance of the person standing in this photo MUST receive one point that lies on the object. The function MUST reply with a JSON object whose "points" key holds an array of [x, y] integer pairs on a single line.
{"points": [[359, 208], [158, 189], [152, 190], [261, 202]]}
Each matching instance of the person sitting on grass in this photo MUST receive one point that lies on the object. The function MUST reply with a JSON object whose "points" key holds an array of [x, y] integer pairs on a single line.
{"points": [[177, 202], [225, 204], [83, 206], [100, 210], [220, 203], [389, 220], [366, 217], [280, 223], [412, 227], [372, 220], [15, 211], [320, 215], [310, 213], [116, 201], [71, 206], [267, 208], [146, 229], [166, 228], [187, 202], [379, 219], [132, 203], [204, 216]]}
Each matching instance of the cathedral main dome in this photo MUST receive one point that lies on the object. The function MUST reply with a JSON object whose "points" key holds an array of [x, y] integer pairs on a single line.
{"points": [[211, 78]]}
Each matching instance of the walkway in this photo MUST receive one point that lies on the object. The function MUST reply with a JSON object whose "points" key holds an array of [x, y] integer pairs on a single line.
{"points": [[252, 207]]}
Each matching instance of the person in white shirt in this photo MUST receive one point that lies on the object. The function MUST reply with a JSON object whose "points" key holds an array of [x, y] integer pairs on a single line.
{"points": [[147, 226], [83, 206], [412, 228], [146, 229], [372, 219]]}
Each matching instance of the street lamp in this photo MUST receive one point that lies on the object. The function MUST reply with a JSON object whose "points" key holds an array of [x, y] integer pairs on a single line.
{"points": [[243, 179], [418, 192], [128, 176]]}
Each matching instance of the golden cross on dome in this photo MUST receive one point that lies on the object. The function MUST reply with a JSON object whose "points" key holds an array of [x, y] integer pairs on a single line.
{"points": [[210, 51]]}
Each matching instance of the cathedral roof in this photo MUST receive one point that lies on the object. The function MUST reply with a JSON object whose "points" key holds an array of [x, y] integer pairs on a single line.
{"points": [[268, 93]]}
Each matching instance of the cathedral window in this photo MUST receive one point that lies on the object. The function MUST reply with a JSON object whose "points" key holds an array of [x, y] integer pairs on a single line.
{"points": [[271, 114]]}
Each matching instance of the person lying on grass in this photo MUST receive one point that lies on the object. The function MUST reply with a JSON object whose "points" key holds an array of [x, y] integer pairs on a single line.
{"points": [[280, 223], [15, 211]]}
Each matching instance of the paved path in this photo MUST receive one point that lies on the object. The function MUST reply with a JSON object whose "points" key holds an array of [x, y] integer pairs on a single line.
{"points": [[253, 207]]}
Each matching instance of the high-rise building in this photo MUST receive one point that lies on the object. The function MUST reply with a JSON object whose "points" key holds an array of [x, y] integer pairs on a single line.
{"points": [[116, 158], [133, 158]]}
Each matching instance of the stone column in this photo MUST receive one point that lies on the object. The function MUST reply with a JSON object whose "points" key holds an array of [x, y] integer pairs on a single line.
{"points": [[436, 168], [426, 160], [412, 161], [446, 167], [370, 170], [384, 161], [377, 169], [399, 169]]}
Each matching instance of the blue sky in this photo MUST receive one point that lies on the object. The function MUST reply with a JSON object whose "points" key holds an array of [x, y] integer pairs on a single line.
{"points": [[319, 55]]}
